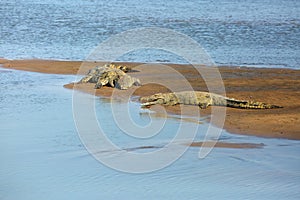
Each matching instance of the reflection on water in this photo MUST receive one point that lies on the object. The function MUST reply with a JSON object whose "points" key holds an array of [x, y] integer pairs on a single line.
{"points": [[43, 158], [258, 33]]}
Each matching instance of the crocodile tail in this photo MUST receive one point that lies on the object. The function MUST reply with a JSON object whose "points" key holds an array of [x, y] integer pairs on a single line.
{"points": [[249, 104]]}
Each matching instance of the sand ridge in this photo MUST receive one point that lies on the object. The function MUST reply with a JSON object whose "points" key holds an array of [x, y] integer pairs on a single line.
{"points": [[274, 86]]}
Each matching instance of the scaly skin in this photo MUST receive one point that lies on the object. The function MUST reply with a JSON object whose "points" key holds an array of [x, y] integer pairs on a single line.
{"points": [[111, 75], [201, 99], [94, 74]]}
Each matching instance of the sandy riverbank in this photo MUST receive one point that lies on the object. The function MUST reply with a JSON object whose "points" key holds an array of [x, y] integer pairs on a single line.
{"points": [[274, 86]]}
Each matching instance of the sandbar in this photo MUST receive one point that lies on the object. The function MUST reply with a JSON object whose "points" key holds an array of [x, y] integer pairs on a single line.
{"points": [[270, 85]]}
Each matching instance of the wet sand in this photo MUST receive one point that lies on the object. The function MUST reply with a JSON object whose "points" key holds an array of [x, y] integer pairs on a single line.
{"points": [[273, 86], [227, 145]]}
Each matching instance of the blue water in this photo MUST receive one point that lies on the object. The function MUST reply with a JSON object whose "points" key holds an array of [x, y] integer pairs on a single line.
{"points": [[261, 33], [42, 156]]}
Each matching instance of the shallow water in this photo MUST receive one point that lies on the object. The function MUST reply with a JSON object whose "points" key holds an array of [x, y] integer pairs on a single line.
{"points": [[42, 156], [262, 33]]}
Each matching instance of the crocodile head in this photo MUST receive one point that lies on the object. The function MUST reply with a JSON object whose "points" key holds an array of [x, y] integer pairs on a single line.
{"points": [[124, 68], [148, 101]]}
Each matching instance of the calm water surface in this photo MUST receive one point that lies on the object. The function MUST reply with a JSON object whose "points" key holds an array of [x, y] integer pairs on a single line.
{"points": [[42, 156]]}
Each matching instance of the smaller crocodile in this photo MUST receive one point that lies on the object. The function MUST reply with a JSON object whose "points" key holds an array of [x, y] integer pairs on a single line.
{"points": [[201, 99], [94, 74], [117, 79], [111, 75]]}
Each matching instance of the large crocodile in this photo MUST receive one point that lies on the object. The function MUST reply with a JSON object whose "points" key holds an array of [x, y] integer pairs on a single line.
{"points": [[201, 99]]}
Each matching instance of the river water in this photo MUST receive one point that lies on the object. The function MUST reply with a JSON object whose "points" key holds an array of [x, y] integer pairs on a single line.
{"points": [[42, 156], [261, 33]]}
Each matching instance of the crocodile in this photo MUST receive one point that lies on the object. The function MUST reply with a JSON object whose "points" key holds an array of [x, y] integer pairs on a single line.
{"points": [[201, 99], [94, 74], [110, 75]]}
